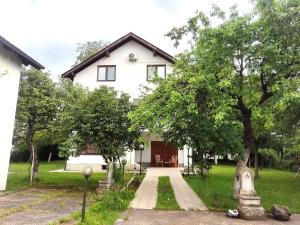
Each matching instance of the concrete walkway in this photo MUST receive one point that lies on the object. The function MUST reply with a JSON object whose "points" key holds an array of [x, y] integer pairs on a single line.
{"points": [[164, 217], [146, 195]]}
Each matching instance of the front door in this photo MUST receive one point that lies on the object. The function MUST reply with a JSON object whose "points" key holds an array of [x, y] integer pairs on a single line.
{"points": [[166, 151]]}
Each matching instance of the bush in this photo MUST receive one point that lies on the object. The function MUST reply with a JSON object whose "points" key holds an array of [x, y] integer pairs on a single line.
{"points": [[269, 155], [137, 180], [117, 173], [113, 201]]}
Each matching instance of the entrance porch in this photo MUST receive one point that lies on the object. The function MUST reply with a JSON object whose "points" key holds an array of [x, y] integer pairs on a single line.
{"points": [[155, 148]]}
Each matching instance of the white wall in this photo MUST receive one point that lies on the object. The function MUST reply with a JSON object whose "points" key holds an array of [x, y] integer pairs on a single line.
{"points": [[129, 75], [9, 85], [78, 163]]}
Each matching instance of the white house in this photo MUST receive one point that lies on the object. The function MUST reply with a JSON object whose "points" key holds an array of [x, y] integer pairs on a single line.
{"points": [[11, 60], [127, 65]]}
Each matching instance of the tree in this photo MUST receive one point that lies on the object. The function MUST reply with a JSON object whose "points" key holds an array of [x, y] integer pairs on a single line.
{"points": [[246, 61], [101, 120], [87, 49], [181, 114], [36, 110]]}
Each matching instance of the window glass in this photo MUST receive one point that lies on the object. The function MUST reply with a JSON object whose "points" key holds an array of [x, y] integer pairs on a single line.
{"points": [[101, 73], [111, 72], [151, 71], [161, 71]]}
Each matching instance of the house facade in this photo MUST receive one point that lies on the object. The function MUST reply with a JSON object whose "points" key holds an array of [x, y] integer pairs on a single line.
{"points": [[11, 60], [127, 65]]}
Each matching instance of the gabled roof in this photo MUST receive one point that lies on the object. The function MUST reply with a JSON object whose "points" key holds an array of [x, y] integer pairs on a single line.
{"points": [[25, 59], [113, 46]]}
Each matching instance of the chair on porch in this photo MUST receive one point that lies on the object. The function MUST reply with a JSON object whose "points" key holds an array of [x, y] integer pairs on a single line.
{"points": [[158, 160], [173, 161]]}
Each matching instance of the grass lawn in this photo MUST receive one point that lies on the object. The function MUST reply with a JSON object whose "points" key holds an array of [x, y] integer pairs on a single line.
{"points": [[19, 177], [166, 198], [273, 186]]}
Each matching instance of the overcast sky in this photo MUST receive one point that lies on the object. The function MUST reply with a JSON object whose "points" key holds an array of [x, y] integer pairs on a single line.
{"points": [[48, 30]]}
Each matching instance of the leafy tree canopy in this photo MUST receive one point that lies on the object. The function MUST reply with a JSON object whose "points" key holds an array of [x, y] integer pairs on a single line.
{"points": [[249, 63], [87, 49], [100, 119], [36, 109]]}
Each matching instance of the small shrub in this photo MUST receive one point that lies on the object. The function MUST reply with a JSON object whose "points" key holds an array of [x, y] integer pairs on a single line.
{"points": [[114, 201], [117, 174], [137, 180]]}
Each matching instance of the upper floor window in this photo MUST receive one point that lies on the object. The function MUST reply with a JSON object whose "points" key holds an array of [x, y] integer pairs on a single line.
{"points": [[106, 73], [160, 70]]}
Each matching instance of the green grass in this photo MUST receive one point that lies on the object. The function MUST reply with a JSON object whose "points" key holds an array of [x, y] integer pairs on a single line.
{"points": [[107, 210], [166, 199], [19, 178], [273, 186]]}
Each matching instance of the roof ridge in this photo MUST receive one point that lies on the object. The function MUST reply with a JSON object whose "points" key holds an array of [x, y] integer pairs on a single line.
{"points": [[111, 47]]}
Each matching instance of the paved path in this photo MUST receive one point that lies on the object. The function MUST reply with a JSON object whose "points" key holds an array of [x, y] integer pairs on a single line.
{"points": [[146, 195], [37, 206], [160, 217]]}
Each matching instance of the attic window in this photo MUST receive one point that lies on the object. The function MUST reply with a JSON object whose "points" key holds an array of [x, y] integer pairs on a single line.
{"points": [[160, 70], [106, 73]]}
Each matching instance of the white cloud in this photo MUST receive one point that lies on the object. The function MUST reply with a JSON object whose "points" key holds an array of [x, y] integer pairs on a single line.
{"points": [[48, 30]]}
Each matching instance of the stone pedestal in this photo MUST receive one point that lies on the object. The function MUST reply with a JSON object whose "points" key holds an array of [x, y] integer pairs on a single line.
{"points": [[252, 212], [250, 209], [249, 203]]}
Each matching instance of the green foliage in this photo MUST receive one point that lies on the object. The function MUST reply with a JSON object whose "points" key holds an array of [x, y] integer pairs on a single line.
{"points": [[183, 112], [165, 197], [100, 118], [216, 191], [117, 173], [107, 209], [137, 180], [87, 49], [269, 155], [249, 64], [37, 107]]}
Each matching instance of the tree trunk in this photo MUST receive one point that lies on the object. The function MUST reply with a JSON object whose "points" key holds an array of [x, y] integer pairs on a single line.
{"points": [[33, 151], [35, 169], [109, 176], [247, 131], [49, 157], [201, 165]]}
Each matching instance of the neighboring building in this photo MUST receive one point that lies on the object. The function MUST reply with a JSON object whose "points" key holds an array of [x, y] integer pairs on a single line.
{"points": [[127, 65], [11, 60]]}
